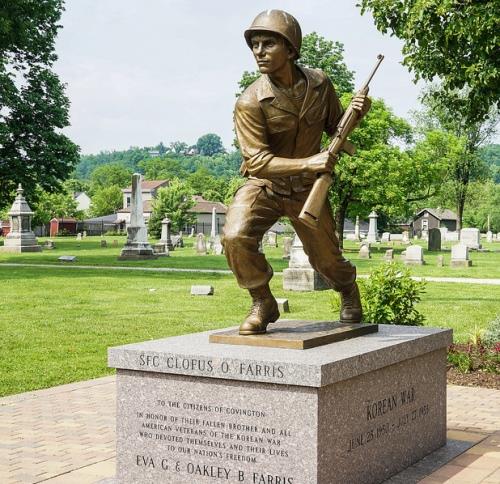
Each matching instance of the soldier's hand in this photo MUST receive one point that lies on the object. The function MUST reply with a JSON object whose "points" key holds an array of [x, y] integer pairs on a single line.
{"points": [[320, 163], [361, 104]]}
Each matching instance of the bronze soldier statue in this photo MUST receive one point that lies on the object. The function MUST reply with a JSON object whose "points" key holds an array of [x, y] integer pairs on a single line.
{"points": [[279, 122]]}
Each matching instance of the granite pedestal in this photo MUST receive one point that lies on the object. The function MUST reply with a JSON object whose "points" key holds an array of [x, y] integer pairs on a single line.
{"points": [[358, 410]]}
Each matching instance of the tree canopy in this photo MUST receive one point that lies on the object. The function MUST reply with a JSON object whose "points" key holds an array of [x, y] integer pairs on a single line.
{"points": [[33, 105], [454, 40], [209, 144]]}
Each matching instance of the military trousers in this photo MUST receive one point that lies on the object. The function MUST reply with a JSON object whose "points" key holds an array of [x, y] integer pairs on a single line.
{"points": [[255, 208]]}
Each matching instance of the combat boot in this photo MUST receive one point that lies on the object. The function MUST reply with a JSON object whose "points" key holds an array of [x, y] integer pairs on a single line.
{"points": [[264, 310], [350, 309]]}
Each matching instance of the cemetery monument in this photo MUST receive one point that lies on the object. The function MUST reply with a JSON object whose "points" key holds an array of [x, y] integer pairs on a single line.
{"points": [[137, 246], [20, 238], [287, 164], [316, 402]]}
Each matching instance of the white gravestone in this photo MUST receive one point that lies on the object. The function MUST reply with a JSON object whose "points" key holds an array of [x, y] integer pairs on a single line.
{"points": [[471, 238], [489, 236], [460, 256], [386, 237], [356, 229], [372, 228], [364, 252], [300, 276], [414, 255], [201, 244], [452, 236], [137, 246]]}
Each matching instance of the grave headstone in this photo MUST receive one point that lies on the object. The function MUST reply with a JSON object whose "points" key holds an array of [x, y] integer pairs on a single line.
{"points": [[272, 239], [434, 242], [389, 255], [202, 290], [471, 238], [356, 229], [84, 233], [489, 236], [396, 237], [460, 256], [137, 246], [160, 249], [213, 230], [67, 258], [385, 237], [104, 243], [217, 246], [444, 233], [79, 236], [414, 255], [364, 252], [452, 236], [440, 261], [300, 276], [406, 237], [201, 244], [283, 306], [372, 228], [287, 247], [192, 232], [165, 234], [20, 238], [425, 235]]}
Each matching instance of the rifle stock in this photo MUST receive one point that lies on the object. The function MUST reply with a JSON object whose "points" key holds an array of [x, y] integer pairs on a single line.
{"points": [[311, 210]]}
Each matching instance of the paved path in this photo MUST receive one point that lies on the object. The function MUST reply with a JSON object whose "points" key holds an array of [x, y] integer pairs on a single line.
{"points": [[459, 280], [66, 435]]}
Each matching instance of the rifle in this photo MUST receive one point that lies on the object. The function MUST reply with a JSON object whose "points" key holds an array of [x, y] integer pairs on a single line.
{"points": [[315, 201]]}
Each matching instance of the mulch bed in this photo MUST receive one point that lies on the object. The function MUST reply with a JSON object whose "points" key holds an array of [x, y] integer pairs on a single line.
{"points": [[473, 378]]}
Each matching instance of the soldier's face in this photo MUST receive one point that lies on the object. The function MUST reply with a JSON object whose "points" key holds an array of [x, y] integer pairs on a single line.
{"points": [[271, 52]]}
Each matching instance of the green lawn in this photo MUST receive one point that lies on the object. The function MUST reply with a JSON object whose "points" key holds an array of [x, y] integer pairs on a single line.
{"points": [[89, 252], [57, 324]]}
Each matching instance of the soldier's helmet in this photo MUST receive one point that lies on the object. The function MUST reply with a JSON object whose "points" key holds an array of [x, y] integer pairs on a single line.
{"points": [[278, 22]]}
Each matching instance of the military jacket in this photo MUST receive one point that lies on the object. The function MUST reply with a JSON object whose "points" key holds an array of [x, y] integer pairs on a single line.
{"points": [[268, 124]]}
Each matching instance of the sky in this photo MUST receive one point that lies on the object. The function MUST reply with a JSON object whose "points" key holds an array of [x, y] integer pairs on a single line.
{"points": [[143, 71]]}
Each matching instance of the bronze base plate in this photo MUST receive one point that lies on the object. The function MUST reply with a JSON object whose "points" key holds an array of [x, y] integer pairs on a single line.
{"points": [[296, 334]]}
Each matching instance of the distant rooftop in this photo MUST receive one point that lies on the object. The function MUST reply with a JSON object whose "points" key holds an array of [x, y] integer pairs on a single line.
{"points": [[439, 213], [149, 185], [206, 206]]}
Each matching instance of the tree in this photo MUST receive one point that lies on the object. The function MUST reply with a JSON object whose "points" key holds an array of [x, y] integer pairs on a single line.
{"points": [[106, 200], [178, 147], [209, 144], [454, 40], [33, 105], [113, 174], [49, 205], [462, 138], [490, 154], [173, 201], [380, 175], [162, 169], [483, 202], [317, 53]]}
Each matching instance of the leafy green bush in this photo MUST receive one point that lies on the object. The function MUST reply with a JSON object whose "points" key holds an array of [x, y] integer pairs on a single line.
{"points": [[389, 296], [492, 333]]}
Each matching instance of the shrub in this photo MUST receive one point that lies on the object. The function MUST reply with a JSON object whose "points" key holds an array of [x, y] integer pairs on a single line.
{"points": [[474, 357], [389, 296], [491, 335]]}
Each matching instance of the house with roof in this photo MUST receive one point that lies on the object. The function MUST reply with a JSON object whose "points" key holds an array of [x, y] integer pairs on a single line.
{"points": [[203, 210], [431, 218]]}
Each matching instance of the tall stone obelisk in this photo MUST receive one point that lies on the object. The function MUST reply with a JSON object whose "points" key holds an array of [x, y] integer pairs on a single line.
{"points": [[20, 238], [137, 245]]}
